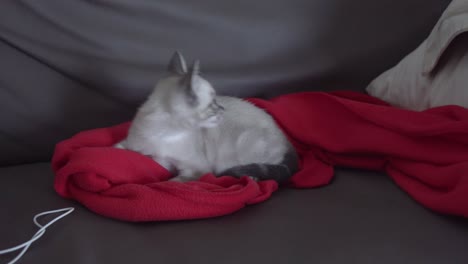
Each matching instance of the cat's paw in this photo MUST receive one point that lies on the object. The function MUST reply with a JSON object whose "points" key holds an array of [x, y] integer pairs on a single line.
{"points": [[185, 176], [119, 145], [254, 178], [178, 179]]}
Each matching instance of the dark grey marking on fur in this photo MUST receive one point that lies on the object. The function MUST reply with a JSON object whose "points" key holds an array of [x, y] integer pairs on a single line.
{"points": [[191, 96], [279, 172], [177, 64]]}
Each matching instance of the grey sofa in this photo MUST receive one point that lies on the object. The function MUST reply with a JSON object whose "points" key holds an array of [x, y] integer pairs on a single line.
{"points": [[67, 66]]}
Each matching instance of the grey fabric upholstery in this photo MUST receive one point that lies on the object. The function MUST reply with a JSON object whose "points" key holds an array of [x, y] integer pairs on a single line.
{"points": [[66, 66]]}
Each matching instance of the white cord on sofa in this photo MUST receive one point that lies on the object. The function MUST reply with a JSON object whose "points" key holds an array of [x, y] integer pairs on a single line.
{"points": [[39, 232]]}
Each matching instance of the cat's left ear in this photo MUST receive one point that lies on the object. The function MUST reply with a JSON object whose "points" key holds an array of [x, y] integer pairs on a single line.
{"points": [[194, 71], [177, 64], [191, 85]]}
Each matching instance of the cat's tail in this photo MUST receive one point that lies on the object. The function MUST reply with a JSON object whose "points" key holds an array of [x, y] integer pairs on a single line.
{"points": [[260, 171]]}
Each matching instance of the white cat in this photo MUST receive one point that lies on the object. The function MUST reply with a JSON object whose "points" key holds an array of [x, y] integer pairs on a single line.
{"points": [[189, 130]]}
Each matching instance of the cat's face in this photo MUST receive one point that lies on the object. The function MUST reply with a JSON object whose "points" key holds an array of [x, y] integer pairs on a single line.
{"points": [[189, 95], [202, 99]]}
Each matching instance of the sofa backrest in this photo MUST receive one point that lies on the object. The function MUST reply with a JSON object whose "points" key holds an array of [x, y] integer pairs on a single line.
{"points": [[67, 66]]}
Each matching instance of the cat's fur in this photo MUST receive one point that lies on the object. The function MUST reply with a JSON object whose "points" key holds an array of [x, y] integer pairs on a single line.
{"points": [[189, 130]]}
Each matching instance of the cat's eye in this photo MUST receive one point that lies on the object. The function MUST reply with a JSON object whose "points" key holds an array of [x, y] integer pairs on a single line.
{"points": [[215, 106]]}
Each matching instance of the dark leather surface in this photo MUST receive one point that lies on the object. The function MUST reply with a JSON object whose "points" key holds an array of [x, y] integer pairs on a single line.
{"points": [[362, 217], [39, 106], [78, 64]]}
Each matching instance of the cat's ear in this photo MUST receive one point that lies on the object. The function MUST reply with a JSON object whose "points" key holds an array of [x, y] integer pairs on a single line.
{"points": [[177, 64], [191, 86], [194, 70]]}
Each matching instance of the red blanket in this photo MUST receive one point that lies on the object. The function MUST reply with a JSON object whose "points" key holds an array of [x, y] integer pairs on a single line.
{"points": [[425, 153]]}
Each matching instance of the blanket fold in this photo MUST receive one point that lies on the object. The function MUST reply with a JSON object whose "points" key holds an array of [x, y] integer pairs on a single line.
{"points": [[425, 153]]}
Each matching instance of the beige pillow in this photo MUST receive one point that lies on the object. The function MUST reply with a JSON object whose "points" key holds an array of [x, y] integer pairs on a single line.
{"points": [[434, 74]]}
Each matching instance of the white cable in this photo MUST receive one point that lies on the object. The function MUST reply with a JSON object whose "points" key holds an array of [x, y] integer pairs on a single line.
{"points": [[39, 232]]}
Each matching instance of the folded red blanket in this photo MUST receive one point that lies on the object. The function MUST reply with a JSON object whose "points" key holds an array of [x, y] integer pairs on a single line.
{"points": [[425, 153]]}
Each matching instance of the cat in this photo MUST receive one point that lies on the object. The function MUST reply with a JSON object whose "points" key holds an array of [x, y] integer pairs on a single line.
{"points": [[191, 131]]}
